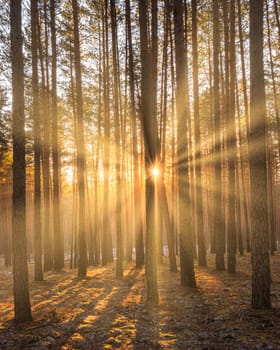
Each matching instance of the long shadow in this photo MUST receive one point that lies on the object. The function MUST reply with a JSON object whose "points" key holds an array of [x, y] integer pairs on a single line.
{"points": [[220, 303], [166, 328], [48, 290], [100, 324], [104, 312], [63, 307], [57, 289]]}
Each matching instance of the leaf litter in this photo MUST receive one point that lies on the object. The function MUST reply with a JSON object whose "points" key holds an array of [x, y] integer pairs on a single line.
{"points": [[103, 312]]}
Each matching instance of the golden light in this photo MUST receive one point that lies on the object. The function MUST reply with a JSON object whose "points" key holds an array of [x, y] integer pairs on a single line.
{"points": [[155, 172], [69, 174]]}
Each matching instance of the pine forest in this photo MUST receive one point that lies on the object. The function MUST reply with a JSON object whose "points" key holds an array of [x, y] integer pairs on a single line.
{"points": [[140, 174]]}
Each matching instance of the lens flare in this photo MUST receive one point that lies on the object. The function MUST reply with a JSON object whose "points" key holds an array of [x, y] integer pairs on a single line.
{"points": [[155, 172]]}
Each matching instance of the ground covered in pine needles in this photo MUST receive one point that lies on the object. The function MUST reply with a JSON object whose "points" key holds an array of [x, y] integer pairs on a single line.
{"points": [[102, 312]]}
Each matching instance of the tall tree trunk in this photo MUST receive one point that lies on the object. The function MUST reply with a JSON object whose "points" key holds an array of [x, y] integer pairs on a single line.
{"points": [[119, 261], [98, 153], [240, 207], [210, 180], [38, 267], [22, 305], [198, 183], [165, 212], [47, 243], [81, 162], [185, 229], [151, 150], [190, 144], [58, 236], [139, 241], [231, 149], [244, 149], [106, 241], [261, 279], [174, 192], [218, 222], [273, 244], [74, 255]]}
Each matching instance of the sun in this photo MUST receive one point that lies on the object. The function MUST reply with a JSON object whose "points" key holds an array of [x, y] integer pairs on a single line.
{"points": [[155, 172]]}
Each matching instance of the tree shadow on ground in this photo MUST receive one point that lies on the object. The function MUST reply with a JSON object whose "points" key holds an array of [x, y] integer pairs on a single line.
{"points": [[103, 312]]}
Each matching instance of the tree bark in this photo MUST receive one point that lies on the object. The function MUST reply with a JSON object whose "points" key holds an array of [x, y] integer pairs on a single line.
{"points": [[218, 222], [231, 148], [198, 183], [38, 267], [139, 241], [47, 242], [22, 307], [119, 261], [151, 149], [185, 229], [261, 278], [58, 237], [107, 239], [81, 162]]}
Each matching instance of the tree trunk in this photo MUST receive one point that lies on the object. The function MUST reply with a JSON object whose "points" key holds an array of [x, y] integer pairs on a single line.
{"points": [[38, 267], [273, 243], [139, 243], [58, 237], [244, 149], [218, 222], [106, 241], [119, 261], [151, 149], [185, 229], [47, 243], [231, 149], [198, 183], [81, 162], [22, 305], [261, 279]]}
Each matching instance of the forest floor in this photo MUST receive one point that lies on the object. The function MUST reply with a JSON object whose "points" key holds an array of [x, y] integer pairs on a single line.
{"points": [[102, 312]]}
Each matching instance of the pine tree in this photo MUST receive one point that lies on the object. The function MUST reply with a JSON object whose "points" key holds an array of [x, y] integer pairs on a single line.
{"points": [[19, 243], [185, 228], [261, 279]]}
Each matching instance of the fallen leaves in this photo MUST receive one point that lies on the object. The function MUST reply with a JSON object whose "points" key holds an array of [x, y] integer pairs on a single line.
{"points": [[102, 312]]}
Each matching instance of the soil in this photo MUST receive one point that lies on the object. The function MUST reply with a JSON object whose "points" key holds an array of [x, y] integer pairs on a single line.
{"points": [[103, 312]]}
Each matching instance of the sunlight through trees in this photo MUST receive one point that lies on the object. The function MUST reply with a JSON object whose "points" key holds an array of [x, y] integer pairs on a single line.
{"points": [[137, 129]]}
